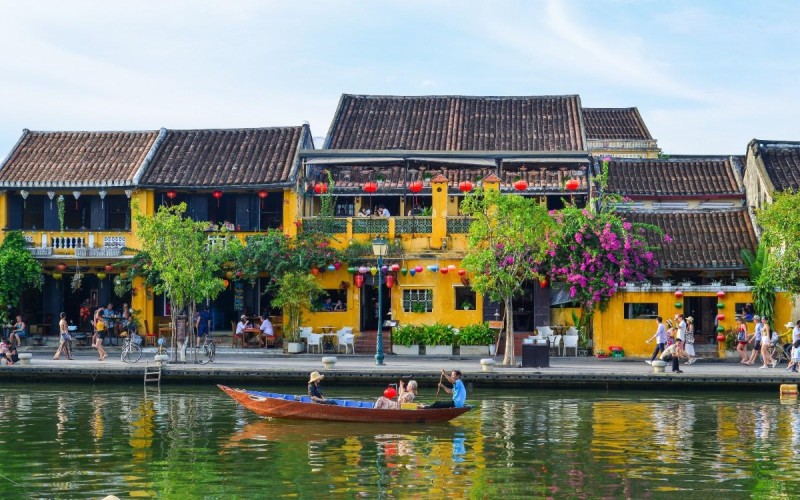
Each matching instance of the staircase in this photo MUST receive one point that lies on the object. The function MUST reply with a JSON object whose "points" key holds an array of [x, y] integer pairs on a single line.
{"points": [[365, 342]]}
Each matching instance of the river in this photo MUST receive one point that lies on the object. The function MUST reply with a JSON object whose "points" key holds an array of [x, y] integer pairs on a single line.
{"points": [[85, 441]]}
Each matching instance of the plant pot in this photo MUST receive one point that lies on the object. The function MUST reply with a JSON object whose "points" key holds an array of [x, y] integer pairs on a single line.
{"points": [[402, 350], [492, 350], [474, 350], [438, 350], [294, 347]]}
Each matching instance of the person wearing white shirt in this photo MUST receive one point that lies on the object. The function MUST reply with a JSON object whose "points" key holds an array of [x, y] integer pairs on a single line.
{"points": [[661, 339]]}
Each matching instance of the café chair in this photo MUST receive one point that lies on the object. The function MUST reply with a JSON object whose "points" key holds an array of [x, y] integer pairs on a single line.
{"points": [[235, 337], [346, 339], [555, 343], [314, 340], [571, 331], [571, 342]]}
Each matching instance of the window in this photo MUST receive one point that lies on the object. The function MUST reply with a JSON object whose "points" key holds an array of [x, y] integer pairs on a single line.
{"points": [[77, 213], [635, 310], [418, 300], [333, 300], [465, 298], [33, 214], [119, 212]]}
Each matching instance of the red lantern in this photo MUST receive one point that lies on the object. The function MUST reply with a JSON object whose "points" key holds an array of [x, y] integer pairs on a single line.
{"points": [[226, 283], [109, 268], [389, 281], [263, 194], [572, 184], [543, 284], [390, 393], [314, 271], [358, 279], [217, 194], [462, 272], [721, 337], [321, 188], [720, 317], [61, 267], [443, 270], [415, 187], [370, 187], [720, 294], [465, 186], [521, 185], [678, 294], [171, 194]]}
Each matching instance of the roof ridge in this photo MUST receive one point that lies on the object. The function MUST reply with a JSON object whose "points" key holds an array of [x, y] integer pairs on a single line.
{"points": [[456, 96]]}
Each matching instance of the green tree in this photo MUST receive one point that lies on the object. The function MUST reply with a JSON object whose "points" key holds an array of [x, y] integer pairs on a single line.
{"points": [[296, 291], [188, 265], [19, 271], [780, 223], [508, 238]]}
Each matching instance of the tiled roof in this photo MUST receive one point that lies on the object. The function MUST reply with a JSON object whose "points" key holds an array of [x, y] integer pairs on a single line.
{"points": [[701, 239], [781, 162], [77, 158], [615, 124], [457, 123], [226, 157], [683, 176]]}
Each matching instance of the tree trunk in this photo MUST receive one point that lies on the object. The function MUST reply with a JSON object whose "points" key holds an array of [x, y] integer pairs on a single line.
{"points": [[508, 358]]}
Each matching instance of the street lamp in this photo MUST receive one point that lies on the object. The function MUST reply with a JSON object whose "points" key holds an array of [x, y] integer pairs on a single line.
{"points": [[379, 248]]}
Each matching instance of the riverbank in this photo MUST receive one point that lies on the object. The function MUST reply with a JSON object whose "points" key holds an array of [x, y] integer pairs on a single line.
{"points": [[259, 367]]}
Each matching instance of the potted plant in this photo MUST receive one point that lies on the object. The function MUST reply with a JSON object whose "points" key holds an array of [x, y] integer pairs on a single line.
{"points": [[426, 178], [296, 291], [467, 305], [439, 339], [476, 340], [406, 340], [418, 307]]}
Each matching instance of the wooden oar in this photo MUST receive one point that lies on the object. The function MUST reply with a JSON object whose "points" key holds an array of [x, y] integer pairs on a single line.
{"points": [[439, 385]]}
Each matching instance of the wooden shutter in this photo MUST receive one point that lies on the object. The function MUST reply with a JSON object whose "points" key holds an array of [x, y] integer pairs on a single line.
{"points": [[97, 214]]}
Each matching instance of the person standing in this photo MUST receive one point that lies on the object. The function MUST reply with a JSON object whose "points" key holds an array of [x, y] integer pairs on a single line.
{"points": [[661, 339], [63, 337], [100, 335], [756, 339], [681, 323], [458, 391], [741, 340], [689, 343]]}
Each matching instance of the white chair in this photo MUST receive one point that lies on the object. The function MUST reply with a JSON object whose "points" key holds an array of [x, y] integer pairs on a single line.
{"points": [[571, 331], [571, 341], [346, 338], [305, 331], [544, 331], [314, 340], [555, 343]]}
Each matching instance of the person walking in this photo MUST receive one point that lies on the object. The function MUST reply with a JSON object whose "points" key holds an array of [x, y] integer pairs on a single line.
{"points": [[756, 339], [63, 338], [661, 339], [766, 336], [741, 340], [100, 335], [689, 344]]}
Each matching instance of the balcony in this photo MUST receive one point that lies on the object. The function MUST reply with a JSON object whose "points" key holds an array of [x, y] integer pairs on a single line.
{"points": [[75, 244]]}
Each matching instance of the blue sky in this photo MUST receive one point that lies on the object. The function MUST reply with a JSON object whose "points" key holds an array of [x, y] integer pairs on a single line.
{"points": [[706, 76]]}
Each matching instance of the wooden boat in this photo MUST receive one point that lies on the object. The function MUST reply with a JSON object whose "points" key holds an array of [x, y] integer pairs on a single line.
{"points": [[275, 405]]}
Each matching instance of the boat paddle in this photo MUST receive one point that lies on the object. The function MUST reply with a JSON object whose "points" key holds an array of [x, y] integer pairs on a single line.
{"points": [[439, 385]]}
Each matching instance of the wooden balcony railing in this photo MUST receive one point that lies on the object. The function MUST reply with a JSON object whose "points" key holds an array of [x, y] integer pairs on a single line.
{"points": [[79, 244]]}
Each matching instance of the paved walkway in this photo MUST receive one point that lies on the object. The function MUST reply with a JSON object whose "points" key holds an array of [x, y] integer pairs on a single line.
{"points": [[258, 366]]}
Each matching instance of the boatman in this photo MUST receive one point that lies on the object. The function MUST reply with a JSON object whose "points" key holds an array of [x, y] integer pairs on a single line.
{"points": [[458, 391]]}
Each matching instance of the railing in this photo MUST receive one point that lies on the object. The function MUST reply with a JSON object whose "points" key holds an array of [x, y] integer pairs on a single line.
{"points": [[369, 225], [457, 225], [327, 225], [80, 244], [413, 225]]}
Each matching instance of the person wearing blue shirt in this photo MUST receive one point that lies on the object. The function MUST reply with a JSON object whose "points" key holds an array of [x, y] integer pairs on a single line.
{"points": [[458, 391]]}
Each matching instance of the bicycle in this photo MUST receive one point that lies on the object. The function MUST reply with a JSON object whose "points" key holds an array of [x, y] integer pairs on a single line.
{"points": [[131, 352], [778, 350], [207, 351]]}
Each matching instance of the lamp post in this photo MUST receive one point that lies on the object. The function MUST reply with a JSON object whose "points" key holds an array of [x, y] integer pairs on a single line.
{"points": [[380, 247]]}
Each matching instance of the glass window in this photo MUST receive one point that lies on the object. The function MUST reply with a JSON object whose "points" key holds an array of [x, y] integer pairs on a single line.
{"points": [[333, 300], [418, 300], [637, 310], [119, 212], [465, 298], [33, 213]]}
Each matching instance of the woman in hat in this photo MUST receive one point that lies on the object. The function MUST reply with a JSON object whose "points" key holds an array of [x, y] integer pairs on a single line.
{"points": [[314, 390], [689, 344]]}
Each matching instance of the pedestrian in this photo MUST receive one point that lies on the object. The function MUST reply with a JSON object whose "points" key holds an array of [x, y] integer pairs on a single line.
{"points": [[741, 340], [674, 353], [756, 340], [795, 357], [100, 335], [689, 344], [681, 328], [661, 339], [63, 338], [766, 343]]}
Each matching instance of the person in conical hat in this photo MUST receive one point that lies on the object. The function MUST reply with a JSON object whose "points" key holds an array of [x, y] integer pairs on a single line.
{"points": [[315, 391]]}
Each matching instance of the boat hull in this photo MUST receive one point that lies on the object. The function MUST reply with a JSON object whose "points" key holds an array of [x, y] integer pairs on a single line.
{"points": [[276, 407]]}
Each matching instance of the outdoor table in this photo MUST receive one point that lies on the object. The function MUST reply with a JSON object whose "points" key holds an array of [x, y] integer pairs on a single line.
{"points": [[328, 336], [248, 333]]}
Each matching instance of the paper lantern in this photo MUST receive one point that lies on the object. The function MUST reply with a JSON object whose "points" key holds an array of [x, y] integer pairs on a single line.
{"points": [[358, 279], [101, 275], [321, 188], [229, 275], [678, 294], [412, 272], [678, 305], [109, 268], [56, 276], [720, 317], [462, 272], [395, 267], [403, 271], [373, 270], [389, 281], [384, 269], [363, 270], [720, 305], [720, 328], [171, 194], [263, 194], [451, 267], [521, 185], [390, 393], [443, 270], [418, 269], [217, 194], [337, 265], [226, 283], [542, 283], [465, 186], [415, 187], [61, 267], [720, 294], [351, 270], [720, 338], [433, 268], [370, 187], [331, 267], [314, 271], [572, 184]]}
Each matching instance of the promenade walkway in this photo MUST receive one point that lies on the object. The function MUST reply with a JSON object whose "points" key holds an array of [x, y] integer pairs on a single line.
{"points": [[254, 367]]}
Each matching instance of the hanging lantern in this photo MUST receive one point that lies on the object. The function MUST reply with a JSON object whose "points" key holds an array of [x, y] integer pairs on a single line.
{"points": [[720, 294], [217, 194], [443, 270], [720, 317], [226, 283], [433, 268], [351, 270], [390, 393], [109, 268], [521, 185], [720, 328], [358, 279], [721, 338], [336, 266], [229, 275], [61, 267], [415, 187], [263, 194], [76, 194], [451, 267], [462, 272], [395, 267], [543, 283], [101, 276], [412, 272], [389, 281], [363, 270], [320, 188], [720, 305], [385, 269], [314, 271], [678, 305], [331, 267], [56, 276], [418, 269], [171, 194], [465, 186], [322, 269], [572, 184], [373, 270], [404, 271], [678, 294], [370, 187]]}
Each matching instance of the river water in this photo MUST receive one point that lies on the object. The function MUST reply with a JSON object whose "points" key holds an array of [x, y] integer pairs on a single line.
{"points": [[85, 441]]}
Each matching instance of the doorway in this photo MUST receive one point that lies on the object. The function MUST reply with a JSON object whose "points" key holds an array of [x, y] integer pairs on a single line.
{"points": [[369, 304], [704, 312]]}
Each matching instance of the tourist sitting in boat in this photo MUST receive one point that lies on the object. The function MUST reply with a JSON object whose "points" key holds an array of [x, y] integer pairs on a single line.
{"points": [[314, 390], [406, 395], [458, 391]]}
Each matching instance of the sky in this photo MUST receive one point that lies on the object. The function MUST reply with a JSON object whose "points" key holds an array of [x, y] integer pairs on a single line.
{"points": [[707, 76]]}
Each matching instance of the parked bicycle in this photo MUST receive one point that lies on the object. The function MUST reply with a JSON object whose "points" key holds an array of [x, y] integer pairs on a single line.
{"points": [[131, 352], [205, 352], [781, 350]]}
